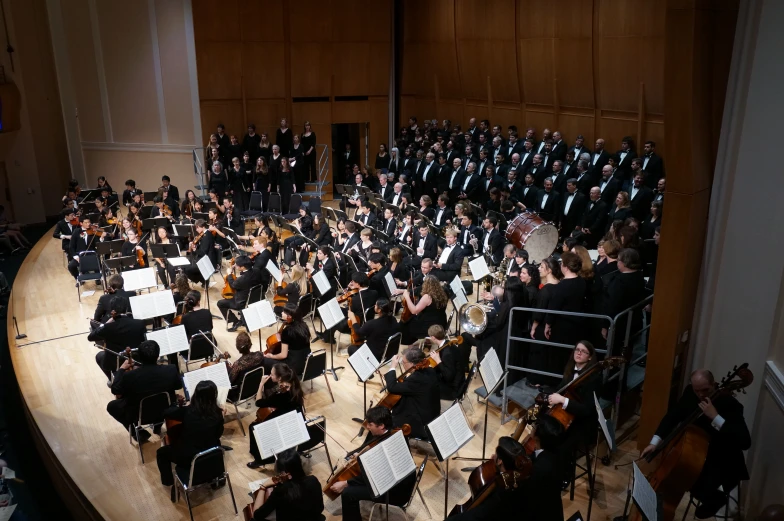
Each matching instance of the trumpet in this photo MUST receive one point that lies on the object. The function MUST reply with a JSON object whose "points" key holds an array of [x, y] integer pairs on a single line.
{"points": [[473, 241]]}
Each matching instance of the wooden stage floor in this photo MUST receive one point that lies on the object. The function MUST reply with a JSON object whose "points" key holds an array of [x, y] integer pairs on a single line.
{"points": [[66, 395]]}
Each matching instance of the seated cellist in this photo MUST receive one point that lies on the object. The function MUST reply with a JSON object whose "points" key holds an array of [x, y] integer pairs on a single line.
{"points": [[723, 421], [378, 422]]}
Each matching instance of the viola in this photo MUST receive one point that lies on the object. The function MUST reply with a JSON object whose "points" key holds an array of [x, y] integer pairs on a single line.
{"points": [[485, 478], [407, 313], [273, 482], [225, 356], [263, 413], [228, 292], [351, 469]]}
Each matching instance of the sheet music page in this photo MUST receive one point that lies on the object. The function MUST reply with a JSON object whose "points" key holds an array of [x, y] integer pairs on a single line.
{"points": [[460, 300], [442, 436], [458, 425], [364, 362], [322, 283], [138, 279], [178, 261], [290, 431], [331, 313], [218, 374], [164, 303], [644, 495], [603, 423], [223, 393], [399, 455], [268, 438], [171, 340], [274, 270], [390, 282], [457, 287], [490, 369], [259, 315], [479, 268], [378, 470], [6, 512], [143, 306], [205, 267]]}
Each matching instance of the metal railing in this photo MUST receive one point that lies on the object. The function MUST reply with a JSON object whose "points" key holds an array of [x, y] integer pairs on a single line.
{"points": [[199, 170]]}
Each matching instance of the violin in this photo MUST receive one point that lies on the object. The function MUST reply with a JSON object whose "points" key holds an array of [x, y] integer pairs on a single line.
{"points": [[350, 468], [407, 313], [264, 412], [225, 356], [347, 295], [388, 399], [273, 482], [167, 211], [74, 221], [228, 292]]}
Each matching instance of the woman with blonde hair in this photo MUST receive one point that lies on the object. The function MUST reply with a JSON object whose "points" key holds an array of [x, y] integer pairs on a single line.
{"points": [[620, 210], [586, 272], [296, 285], [429, 310]]}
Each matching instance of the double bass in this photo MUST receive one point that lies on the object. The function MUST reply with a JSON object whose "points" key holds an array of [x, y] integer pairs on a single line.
{"points": [[676, 463]]}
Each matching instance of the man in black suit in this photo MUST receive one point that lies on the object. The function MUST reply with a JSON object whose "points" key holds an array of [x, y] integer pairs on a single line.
{"points": [[103, 311], [572, 207], [578, 147], [484, 144], [584, 177], [527, 155], [427, 175], [455, 179], [500, 168], [487, 181], [385, 190], [513, 185], [377, 331], [559, 147], [119, 332], [247, 279], [467, 229], [145, 380], [469, 156], [352, 238], [470, 188], [640, 197], [450, 152], [594, 219], [365, 216], [396, 196], [63, 230], [443, 213], [484, 161], [537, 171], [546, 136], [326, 265], [419, 403], [424, 244], [529, 192], [541, 492], [80, 241], [174, 193], [608, 186], [658, 194], [600, 156], [722, 421], [451, 365], [492, 240], [547, 202], [223, 138], [449, 263], [205, 246], [348, 159], [652, 164], [569, 166], [558, 177], [625, 155], [389, 225], [512, 147]]}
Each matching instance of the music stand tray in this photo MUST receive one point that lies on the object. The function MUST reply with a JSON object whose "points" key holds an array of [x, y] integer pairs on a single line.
{"points": [[164, 251], [200, 215], [184, 230], [145, 212], [381, 235], [109, 247], [120, 264]]}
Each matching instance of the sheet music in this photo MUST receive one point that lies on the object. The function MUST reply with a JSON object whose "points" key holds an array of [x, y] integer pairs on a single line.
{"points": [[450, 431], [457, 287], [644, 495], [223, 393], [151, 305], [331, 313], [390, 281], [281, 433], [364, 362], [322, 283], [388, 463], [171, 339], [7, 512], [603, 424], [217, 373], [259, 315], [274, 270], [490, 369], [205, 267], [479, 268], [135, 280], [178, 261]]}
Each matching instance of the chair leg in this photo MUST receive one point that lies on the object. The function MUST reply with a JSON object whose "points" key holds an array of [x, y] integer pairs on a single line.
{"points": [[422, 499], [329, 388], [141, 452], [326, 449], [188, 501], [574, 478], [688, 506], [372, 510], [242, 427], [231, 491]]}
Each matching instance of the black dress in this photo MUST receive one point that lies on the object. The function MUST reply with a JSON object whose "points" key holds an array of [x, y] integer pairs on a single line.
{"points": [[199, 433], [299, 347], [308, 506], [237, 187], [539, 355], [416, 328], [285, 183], [285, 140], [382, 162], [297, 154], [219, 182], [569, 295], [282, 403], [308, 142]]}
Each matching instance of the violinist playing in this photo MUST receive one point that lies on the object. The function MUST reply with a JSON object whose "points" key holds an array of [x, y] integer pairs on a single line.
{"points": [[451, 365], [201, 429], [130, 386], [203, 244], [377, 331], [261, 255], [82, 239], [160, 209], [103, 310], [296, 285], [132, 246], [379, 422], [279, 392], [419, 403], [65, 228], [295, 341], [360, 299], [298, 498], [119, 332], [723, 422], [241, 286], [166, 272]]}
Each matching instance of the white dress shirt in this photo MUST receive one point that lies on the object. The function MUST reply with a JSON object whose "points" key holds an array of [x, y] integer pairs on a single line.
{"points": [[445, 254], [452, 180], [569, 199]]}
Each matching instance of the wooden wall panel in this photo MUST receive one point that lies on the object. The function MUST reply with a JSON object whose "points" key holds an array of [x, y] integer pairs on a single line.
{"points": [[266, 114], [217, 62], [228, 112], [260, 63], [216, 21], [259, 21]]}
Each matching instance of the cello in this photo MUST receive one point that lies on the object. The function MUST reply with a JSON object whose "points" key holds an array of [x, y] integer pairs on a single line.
{"points": [[274, 342], [407, 313], [676, 463], [350, 468]]}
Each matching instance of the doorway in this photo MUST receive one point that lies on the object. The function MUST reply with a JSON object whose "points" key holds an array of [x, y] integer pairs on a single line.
{"points": [[343, 159]]}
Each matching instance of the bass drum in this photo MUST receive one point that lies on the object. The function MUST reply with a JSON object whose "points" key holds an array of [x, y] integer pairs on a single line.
{"points": [[533, 234]]}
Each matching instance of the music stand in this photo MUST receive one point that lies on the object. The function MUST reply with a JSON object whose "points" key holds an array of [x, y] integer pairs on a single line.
{"points": [[406, 249], [184, 230], [200, 215], [164, 251], [209, 205], [109, 247], [90, 194], [350, 262], [117, 264], [87, 207], [340, 214], [381, 235], [145, 212], [207, 270], [149, 197], [358, 225]]}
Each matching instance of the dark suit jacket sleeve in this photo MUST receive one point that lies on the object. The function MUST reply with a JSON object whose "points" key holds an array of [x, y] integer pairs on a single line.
{"points": [[100, 309], [457, 260], [431, 247], [405, 388], [447, 369], [118, 387], [242, 282], [735, 428]]}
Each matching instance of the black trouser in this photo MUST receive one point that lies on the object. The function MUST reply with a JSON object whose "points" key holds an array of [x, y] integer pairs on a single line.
{"points": [[73, 267], [107, 361], [226, 305], [117, 410], [193, 273]]}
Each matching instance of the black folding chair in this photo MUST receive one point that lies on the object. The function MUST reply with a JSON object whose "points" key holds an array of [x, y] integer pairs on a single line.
{"points": [[247, 392], [314, 205], [89, 269], [200, 349], [414, 490], [315, 366], [275, 204], [254, 206], [150, 415], [295, 203], [317, 428], [207, 468]]}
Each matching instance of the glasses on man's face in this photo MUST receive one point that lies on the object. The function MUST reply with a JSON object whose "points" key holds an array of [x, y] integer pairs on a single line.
{"points": [[582, 351]]}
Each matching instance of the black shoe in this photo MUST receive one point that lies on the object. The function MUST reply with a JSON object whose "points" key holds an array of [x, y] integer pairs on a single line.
{"points": [[143, 436], [233, 328], [173, 494], [255, 464], [226, 447], [157, 430], [710, 505], [532, 385]]}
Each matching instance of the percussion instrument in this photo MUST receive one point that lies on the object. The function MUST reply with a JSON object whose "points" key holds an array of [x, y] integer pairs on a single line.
{"points": [[533, 234]]}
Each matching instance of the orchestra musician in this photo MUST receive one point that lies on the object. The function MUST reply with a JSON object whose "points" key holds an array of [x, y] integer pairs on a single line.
{"points": [[187, 206], [492, 240], [201, 429], [174, 192], [299, 498], [232, 217], [82, 239], [364, 214], [451, 365], [195, 318], [429, 310], [281, 392], [248, 361], [129, 192], [296, 285], [245, 281], [203, 244], [261, 256], [103, 310], [379, 422], [327, 265], [450, 262], [362, 299], [166, 272], [132, 245], [119, 332], [377, 331], [294, 342], [160, 209], [419, 403], [64, 229], [425, 244], [377, 262], [131, 384], [722, 420]]}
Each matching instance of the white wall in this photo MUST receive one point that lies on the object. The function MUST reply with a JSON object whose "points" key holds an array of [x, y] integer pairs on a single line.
{"points": [[741, 303]]}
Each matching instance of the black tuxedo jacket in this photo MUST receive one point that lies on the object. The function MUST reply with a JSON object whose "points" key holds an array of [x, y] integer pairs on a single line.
{"points": [[64, 229], [539, 174], [455, 260], [430, 248], [547, 210], [610, 191], [143, 381], [121, 333], [626, 164], [529, 197], [389, 227], [386, 191], [443, 175], [578, 151], [559, 182], [350, 242], [516, 149], [598, 162], [481, 166], [243, 284], [419, 403], [585, 183], [457, 184], [465, 236], [558, 151], [641, 202], [595, 218], [542, 490], [79, 243], [654, 170], [331, 272], [473, 189], [446, 215], [526, 160], [501, 170], [367, 220], [376, 332], [103, 310], [496, 244], [570, 220], [484, 187], [391, 197], [451, 372]]}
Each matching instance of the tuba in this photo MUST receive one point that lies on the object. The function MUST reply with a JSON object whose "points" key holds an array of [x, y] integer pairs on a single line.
{"points": [[473, 318]]}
